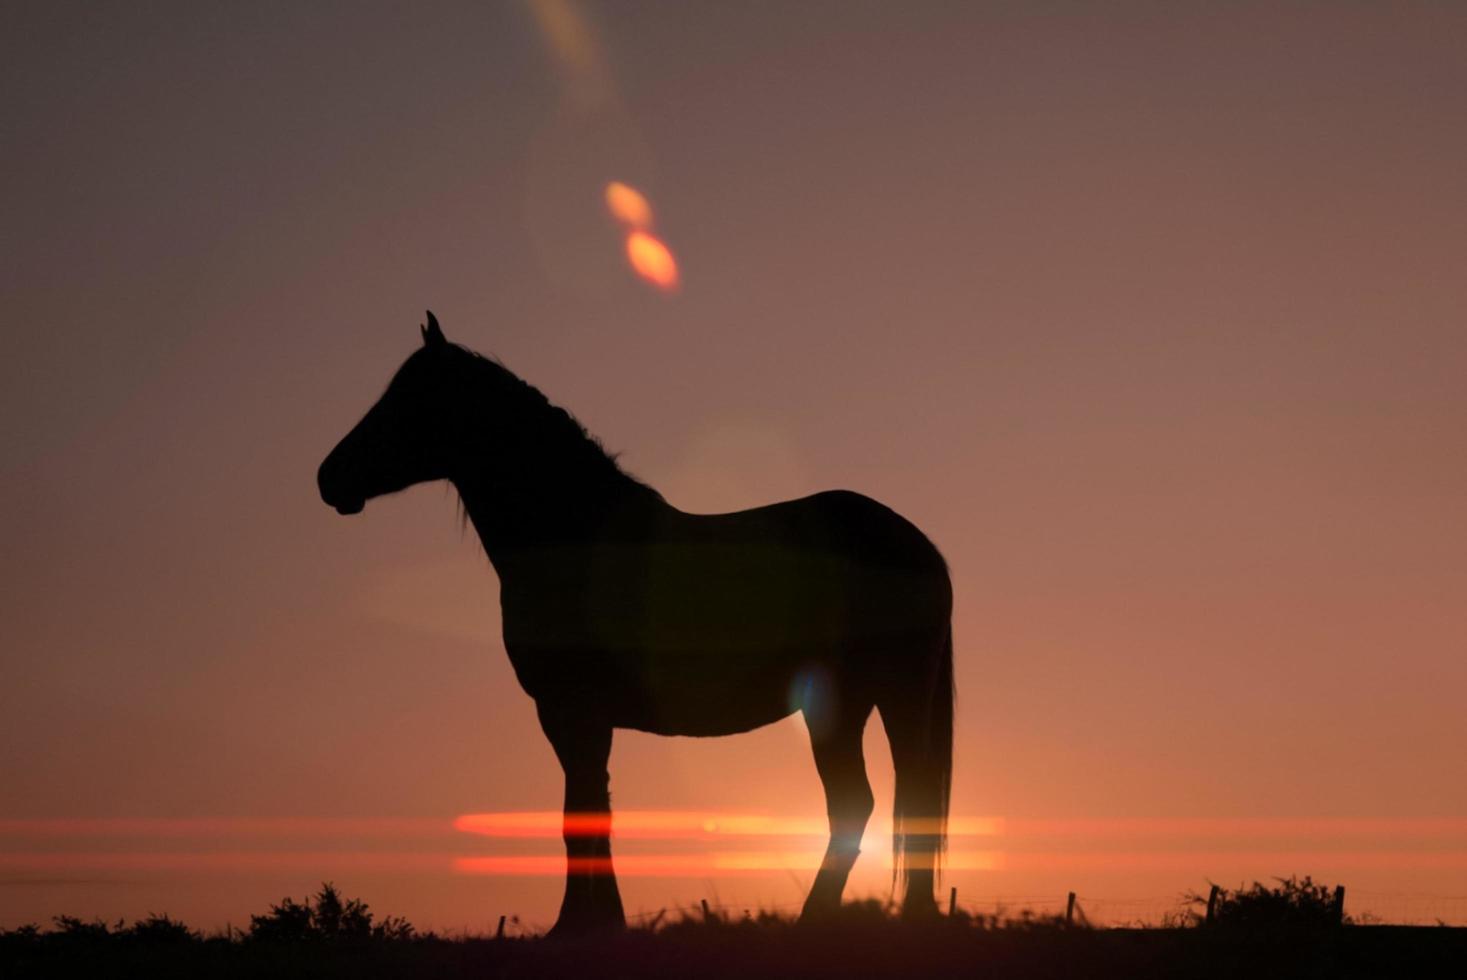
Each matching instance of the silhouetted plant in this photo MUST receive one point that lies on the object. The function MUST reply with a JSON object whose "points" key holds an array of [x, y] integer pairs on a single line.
{"points": [[1294, 903], [329, 918], [161, 929], [337, 919], [286, 922], [72, 929]]}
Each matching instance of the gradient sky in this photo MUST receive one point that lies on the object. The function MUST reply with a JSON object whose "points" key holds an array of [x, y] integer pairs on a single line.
{"points": [[1151, 315]]}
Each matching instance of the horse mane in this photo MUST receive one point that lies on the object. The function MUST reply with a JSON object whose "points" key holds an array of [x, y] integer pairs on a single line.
{"points": [[565, 443]]}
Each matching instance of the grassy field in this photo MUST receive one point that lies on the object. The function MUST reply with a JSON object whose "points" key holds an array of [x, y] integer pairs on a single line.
{"points": [[1280, 937]]}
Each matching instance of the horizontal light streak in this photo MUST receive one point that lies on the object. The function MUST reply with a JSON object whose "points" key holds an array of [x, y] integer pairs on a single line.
{"points": [[679, 865], [1216, 827], [224, 827], [714, 824], [696, 824], [1214, 864], [684, 824], [226, 861]]}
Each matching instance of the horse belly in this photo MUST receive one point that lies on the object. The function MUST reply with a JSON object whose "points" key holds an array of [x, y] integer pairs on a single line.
{"points": [[703, 716]]}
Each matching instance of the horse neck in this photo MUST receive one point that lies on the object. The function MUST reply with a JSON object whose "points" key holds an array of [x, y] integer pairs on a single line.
{"points": [[548, 505]]}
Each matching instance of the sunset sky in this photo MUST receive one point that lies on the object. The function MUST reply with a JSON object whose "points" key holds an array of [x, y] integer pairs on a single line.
{"points": [[1152, 315]]}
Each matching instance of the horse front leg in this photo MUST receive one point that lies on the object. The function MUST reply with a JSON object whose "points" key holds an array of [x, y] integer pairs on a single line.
{"points": [[592, 901]]}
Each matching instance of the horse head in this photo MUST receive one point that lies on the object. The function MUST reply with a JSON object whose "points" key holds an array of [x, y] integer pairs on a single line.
{"points": [[407, 437]]}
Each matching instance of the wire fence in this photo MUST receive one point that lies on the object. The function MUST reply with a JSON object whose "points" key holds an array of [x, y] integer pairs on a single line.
{"points": [[1364, 907]]}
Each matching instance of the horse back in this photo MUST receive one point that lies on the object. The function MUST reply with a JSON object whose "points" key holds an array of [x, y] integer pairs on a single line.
{"points": [[682, 609]]}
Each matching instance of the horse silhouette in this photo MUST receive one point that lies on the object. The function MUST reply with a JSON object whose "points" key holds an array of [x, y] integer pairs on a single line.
{"points": [[621, 611]]}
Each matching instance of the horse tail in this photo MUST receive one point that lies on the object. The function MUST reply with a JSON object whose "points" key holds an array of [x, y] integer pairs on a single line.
{"points": [[920, 730]]}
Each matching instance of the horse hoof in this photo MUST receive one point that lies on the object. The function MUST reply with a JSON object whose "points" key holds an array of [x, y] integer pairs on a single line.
{"points": [[919, 911], [578, 928]]}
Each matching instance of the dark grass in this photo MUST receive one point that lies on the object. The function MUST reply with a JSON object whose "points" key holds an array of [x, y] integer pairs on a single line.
{"points": [[863, 941]]}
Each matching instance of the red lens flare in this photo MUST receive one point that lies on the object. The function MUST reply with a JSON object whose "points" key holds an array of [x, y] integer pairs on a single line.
{"points": [[627, 205], [647, 254], [652, 260]]}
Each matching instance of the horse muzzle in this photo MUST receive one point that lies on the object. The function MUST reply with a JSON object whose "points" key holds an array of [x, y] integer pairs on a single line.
{"points": [[333, 495]]}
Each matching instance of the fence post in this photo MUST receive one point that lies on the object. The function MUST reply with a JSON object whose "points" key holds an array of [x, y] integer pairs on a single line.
{"points": [[952, 901], [706, 914], [499, 933], [1211, 904], [1339, 904], [1070, 910]]}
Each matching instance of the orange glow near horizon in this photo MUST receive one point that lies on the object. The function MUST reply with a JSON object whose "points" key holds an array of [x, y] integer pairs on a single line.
{"points": [[652, 260], [737, 844]]}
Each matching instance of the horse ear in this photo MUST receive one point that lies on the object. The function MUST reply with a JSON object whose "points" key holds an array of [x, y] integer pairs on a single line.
{"points": [[432, 333]]}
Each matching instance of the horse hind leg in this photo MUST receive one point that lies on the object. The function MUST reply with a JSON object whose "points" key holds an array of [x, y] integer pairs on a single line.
{"points": [[918, 717], [848, 802]]}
